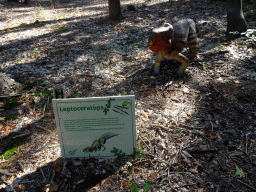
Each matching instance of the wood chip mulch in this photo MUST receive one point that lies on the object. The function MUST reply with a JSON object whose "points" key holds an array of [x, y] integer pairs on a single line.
{"points": [[193, 134]]}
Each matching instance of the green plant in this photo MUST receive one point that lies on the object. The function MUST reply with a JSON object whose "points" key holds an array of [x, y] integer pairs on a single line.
{"points": [[61, 17], [46, 120], [117, 152], [134, 187], [140, 150], [204, 65], [45, 93], [10, 118], [58, 51], [135, 80], [135, 45], [147, 186], [62, 28], [7, 154], [253, 115], [234, 32], [40, 104], [99, 54], [39, 81], [27, 86], [35, 51], [241, 43], [171, 2], [23, 25], [2, 6], [250, 13], [75, 9], [239, 172], [11, 103], [39, 9]]}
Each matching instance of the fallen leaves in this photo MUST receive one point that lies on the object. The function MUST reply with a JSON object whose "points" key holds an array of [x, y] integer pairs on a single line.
{"points": [[198, 163], [126, 184], [239, 172], [152, 176], [20, 188], [144, 115]]}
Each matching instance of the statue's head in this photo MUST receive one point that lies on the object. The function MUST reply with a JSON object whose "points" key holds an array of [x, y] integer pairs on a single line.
{"points": [[160, 38]]}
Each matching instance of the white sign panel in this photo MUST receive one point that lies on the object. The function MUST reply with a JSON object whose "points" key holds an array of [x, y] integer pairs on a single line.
{"points": [[92, 127]]}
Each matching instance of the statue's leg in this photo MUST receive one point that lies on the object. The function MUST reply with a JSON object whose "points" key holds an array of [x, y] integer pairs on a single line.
{"points": [[179, 57], [159, 58]]}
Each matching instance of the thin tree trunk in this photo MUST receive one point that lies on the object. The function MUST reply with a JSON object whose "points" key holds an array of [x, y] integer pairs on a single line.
{"points": [[235, 17], [114, 9]]}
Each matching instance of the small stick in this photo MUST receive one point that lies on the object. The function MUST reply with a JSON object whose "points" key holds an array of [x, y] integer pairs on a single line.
{"points": [[43, 174], [216, 88], [246, 184], [21, 166], [8, 96], [44, 128], [246, 143]]}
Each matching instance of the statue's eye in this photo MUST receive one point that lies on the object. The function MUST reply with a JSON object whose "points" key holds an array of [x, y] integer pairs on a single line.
{"points": [[151, 43]]}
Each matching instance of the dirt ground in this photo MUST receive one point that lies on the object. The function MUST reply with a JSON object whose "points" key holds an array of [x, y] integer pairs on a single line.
{"points": [[196, 133]]}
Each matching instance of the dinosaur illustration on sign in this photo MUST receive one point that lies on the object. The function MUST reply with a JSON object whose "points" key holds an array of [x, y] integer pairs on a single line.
{"points": [[99, 143]]}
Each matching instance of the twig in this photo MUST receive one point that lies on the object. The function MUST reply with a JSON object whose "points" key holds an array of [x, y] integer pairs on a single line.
{"points": [[130, 87], [179, 172], [22, 135], [44, 128], [8, 96], [145, 143], [237, 104], [246, 143], [216, 88], [43, 174], [161, 126], [21, 166], [166, 85], [250, 182], [246, 184], [214, 53], [139, 71]]}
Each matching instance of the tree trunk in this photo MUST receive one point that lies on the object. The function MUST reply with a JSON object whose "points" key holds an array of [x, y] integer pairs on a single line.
{"points": [[114, 9], [235, 17]]}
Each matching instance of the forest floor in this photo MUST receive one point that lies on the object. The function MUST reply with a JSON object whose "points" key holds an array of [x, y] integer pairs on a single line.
{"points": [[196, 133]]}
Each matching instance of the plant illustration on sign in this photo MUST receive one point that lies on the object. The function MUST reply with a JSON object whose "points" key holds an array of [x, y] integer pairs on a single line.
{"points": [[125, 104], [108, 106], [99, 143], [120, 109]]}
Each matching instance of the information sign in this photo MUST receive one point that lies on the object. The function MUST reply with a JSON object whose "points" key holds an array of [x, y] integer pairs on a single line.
{"points": [[92, 127]]}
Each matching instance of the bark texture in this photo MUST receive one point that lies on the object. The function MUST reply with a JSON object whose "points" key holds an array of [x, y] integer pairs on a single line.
{"points": [[115, 9]]}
